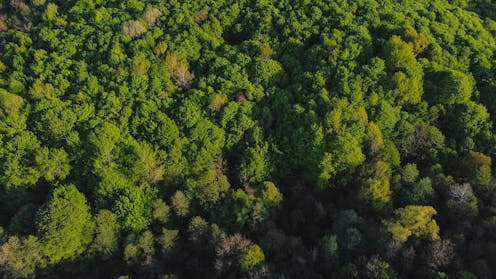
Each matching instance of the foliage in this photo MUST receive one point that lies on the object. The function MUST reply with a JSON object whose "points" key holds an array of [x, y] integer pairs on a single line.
{"points": [[64, 224], [414, 220], [247, 139]]}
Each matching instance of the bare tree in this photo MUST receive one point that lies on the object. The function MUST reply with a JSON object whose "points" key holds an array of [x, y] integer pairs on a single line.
{"points": [[151, 15], [461, 192], [201, 17], [133, 28], [183, 77], [179, 71], [228, 252], [439, 254]]}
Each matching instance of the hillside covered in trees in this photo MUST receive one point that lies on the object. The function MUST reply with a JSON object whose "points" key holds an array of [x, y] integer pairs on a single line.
{"points": [[247, 139]]}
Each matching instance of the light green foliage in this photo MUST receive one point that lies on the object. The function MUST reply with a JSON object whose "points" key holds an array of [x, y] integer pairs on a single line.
{"points": [[50, 12], [406, 90], [56, 119], [210, 186], [116, 54], [254, 165], [16, 172], [53, 164], [399, 54], [139, 248], [160, 211], [64, 224], [376, 268], [167, 239], [410, 173], [375, 138], [271, 194], [10, 103], [147, 167], [180, 204], [483, 175], [375, 190], [267, 71], [133, 207], [106, 233]]}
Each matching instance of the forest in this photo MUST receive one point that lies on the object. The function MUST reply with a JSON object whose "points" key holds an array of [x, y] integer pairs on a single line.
{"points": [[248, 139]]}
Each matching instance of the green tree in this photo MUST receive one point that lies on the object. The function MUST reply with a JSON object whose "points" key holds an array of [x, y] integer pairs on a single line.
{"points": [[106, 233], [399, 54], [53, 164], [64, 224], [180, 204]]}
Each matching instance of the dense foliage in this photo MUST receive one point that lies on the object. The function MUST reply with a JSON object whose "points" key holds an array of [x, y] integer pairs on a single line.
{"points": [[247, 139]]}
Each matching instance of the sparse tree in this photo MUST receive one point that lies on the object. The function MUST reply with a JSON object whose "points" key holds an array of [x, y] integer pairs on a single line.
{"points": [[133, 28]]}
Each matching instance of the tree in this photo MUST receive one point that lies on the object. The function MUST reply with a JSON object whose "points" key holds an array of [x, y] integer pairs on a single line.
{"points": [[160, 211], [151, 15], [406, 89], [106, 233], [133, 28], [133, 206], [178, 70], [376, 268], [180, 204], [254, 165], [410, 173], [448, 87], [140, 249], [328, 251], [10, 103], [64, 224], [23, 222], [230, 252], [375, 191], [20, 258], [399, 54], [483, 175], [53, 164], [413, 220], [50, 12], [461, 202], [18, 171], [439, 254], [375, 138], [267, 71], [216, 102], [252, 258], [167, 240], [147, 167], [271, 194]]}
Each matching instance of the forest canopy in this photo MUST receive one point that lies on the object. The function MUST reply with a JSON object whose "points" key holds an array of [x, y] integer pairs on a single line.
{"points": [[247, 139]]}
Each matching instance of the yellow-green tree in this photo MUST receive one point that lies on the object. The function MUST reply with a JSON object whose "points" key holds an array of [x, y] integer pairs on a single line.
{"points": [[413, 220]]}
